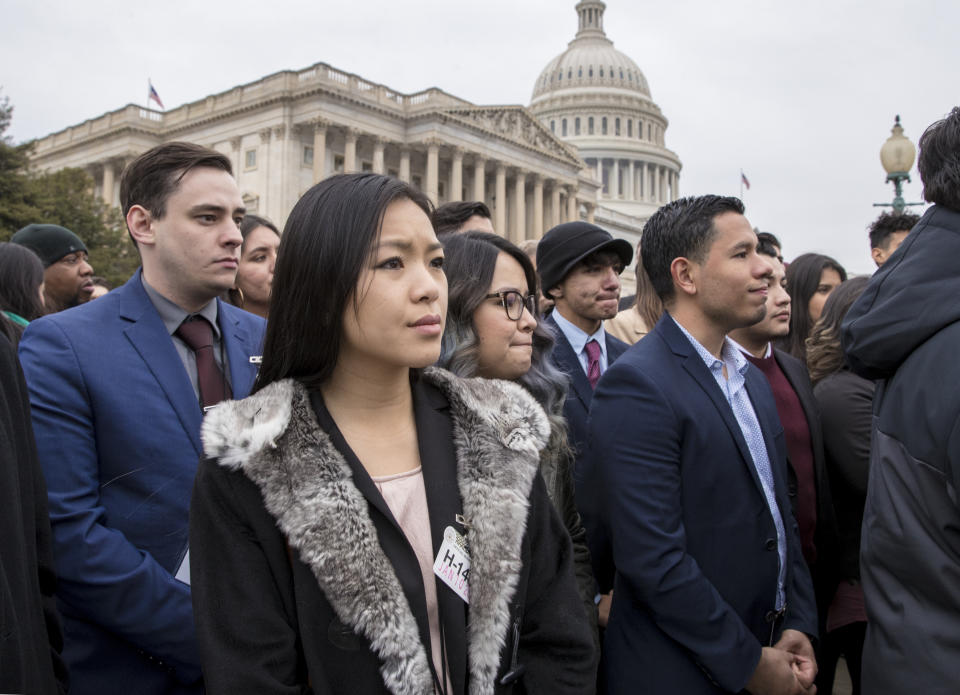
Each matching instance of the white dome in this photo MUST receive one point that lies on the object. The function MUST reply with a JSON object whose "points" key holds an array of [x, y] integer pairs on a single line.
{"points": [[591, 60]]}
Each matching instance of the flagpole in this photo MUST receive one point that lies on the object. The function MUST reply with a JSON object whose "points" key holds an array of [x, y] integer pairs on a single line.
{"points": [[741, 184]]}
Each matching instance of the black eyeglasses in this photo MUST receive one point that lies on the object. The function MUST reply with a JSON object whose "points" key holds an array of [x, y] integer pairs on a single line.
{"points": [[513, 303]]}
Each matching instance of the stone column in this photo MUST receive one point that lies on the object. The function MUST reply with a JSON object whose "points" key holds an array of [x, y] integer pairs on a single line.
{"points": [[263, 171], [520, 207], [350, 151], [652, 187], [319, 150], [676, 185], [615, 179], [379, 144], [591, 208], [479, 178], [630, 182], [500, 213], [537, 207], [555, 204], [600, 176], [433, 171], [109, 173], [456, 176], [662, 177], [405, 164], [237, 155], [573, 213]]}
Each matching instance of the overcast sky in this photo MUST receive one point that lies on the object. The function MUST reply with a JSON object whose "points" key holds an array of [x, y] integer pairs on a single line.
{"points": [[800, 95]]}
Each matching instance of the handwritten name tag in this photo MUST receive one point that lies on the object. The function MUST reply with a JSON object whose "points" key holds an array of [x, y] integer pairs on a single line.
{"points": [[453, 563]]}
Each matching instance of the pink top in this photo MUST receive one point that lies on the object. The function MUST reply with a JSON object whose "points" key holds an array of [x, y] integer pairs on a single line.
{"points": [[406, 497]]}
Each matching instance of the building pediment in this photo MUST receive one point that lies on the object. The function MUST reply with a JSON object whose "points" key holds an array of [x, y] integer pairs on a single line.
{"points": [[516, 124]]}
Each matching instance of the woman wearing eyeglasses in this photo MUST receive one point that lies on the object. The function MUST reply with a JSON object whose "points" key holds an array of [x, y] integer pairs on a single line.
{"points": [[493, 332], [365, 523]]}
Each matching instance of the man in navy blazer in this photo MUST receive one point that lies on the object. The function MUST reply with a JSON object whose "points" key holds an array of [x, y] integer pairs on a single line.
{"points": [[711, 591], [116, 407]]}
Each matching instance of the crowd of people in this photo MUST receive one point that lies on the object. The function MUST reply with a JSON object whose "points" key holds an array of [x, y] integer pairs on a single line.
{"points": [[389, 451]]}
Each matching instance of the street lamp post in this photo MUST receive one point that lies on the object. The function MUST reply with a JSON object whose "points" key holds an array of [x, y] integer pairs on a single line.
{"points": [[897, 156]]}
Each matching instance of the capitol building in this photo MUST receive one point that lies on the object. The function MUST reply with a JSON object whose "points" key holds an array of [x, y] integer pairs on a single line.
{"points": [[591, 144]]}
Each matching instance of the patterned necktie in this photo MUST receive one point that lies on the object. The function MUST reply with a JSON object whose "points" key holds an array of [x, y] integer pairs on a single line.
{"points": [[593, 365], [197, 333]]}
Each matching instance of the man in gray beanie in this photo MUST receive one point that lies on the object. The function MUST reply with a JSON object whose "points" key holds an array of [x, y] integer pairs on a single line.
{"points": [[67, 273]]}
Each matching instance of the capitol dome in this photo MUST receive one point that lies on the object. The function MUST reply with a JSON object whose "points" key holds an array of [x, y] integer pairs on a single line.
{"points": [[597, 99], [591, 61]]}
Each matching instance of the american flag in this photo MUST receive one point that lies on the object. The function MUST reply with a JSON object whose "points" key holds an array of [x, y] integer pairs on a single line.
{"points": [[152, 94], [744, 180]]}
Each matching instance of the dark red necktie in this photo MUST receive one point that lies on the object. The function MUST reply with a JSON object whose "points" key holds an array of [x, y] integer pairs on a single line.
{"points": [[197, 333], [593, 365]]}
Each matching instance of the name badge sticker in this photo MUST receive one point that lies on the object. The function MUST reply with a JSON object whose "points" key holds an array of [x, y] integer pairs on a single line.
{"points": [[256, 359], [453, 563]]}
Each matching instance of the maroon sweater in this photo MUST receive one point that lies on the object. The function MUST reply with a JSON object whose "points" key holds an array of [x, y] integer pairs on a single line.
{"points": [[799, 449]]}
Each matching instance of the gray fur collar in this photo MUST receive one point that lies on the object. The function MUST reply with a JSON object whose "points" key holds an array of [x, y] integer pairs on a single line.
{"points": [[499, 429]]}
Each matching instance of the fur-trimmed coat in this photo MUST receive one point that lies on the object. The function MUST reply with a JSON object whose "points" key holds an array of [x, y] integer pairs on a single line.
{"points": [[303, 582]]}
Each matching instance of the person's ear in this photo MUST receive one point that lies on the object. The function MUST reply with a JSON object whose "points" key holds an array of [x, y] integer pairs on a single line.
{"points": [[685, 275], [877, 255], [140, 224]]}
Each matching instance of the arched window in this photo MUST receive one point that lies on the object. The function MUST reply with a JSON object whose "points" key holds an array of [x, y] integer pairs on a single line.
{"points": [[580, 71], [591, 71], [553, 126], [563, 127], [603, 125], [576, 125], [570, 74], [629, 127], [590, 126], [616, 127], [601, 71], [621, 73], [649, 132], [560, 76]]}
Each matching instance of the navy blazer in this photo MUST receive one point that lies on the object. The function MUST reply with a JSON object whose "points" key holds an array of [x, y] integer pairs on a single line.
{"points": [[118, 434], [577, 405], [693, 541]]}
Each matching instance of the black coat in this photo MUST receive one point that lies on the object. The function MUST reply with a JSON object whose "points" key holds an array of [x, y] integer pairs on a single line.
{"points": [[328, 595], [904, 331], [846, 405], [30, 636]]}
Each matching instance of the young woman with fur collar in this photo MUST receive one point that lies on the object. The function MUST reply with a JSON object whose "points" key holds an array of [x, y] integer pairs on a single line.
{"points": [[331, 493], [493, 331]]}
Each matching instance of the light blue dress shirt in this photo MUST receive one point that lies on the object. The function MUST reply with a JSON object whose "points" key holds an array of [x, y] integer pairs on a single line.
{"points": [[578, 339]]}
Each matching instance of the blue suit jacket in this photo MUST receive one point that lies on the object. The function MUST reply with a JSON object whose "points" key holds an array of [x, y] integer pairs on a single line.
{"points": [[118, 433], [577, 405], [693, 541]]}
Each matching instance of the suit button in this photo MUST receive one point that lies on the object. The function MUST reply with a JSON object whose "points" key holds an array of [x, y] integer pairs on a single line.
{"points": [[771, 544]]}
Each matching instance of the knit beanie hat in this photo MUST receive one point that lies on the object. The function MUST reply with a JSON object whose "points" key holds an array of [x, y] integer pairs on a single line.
{"points": [[49, 241]]}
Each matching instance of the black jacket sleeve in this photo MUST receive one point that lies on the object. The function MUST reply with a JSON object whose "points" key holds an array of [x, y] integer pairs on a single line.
{"points": [[247, 635], [556, 647]]}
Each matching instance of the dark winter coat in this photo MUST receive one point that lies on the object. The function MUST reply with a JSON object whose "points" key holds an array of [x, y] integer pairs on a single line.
{"points": [[303, 582], [905, 331], [30, 636], [846, 406]]}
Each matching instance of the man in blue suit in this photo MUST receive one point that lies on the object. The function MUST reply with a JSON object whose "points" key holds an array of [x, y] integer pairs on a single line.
{"points": [[711, 591], [579, 266], [117, 391]]}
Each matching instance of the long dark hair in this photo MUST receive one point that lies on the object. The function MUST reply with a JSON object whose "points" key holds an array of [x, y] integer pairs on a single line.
{"points": [[824, 350], [803, 278], [470, 260], [250, 222], [324, 249], [21, 274]]}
